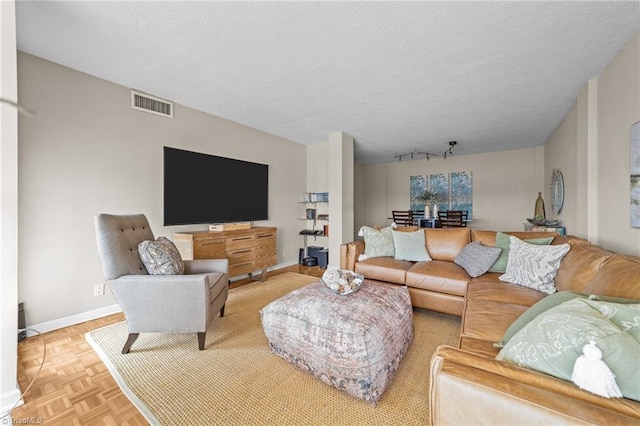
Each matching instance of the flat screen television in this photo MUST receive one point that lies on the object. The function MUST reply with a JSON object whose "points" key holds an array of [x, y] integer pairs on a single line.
{"points": [[203, 188]]}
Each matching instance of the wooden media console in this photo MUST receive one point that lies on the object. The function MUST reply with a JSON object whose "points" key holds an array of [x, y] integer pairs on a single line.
{"points": [[248, 250]]}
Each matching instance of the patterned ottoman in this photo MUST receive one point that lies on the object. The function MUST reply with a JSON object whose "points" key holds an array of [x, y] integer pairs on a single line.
{"points": [[354, 343]]}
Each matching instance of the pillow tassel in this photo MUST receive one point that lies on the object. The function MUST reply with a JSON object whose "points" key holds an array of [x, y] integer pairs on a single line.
{"points": [[592, 374]]}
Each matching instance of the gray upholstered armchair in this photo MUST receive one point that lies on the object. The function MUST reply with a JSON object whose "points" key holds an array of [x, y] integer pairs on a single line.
{"points": [[158, 303]]}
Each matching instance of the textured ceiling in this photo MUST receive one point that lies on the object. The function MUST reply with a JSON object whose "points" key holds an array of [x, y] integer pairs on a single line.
{"points": [[394, 75]]}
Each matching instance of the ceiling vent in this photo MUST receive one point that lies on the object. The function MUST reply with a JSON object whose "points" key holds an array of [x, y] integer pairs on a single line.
{"points": [[151, 104]]}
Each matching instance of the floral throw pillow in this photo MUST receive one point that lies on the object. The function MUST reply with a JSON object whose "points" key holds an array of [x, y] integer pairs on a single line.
{"points": [[161, 257], [534, 266], [378, 243]]}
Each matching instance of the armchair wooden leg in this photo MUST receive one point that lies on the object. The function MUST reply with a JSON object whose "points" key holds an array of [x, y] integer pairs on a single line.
{"points": [[201, 337], [127, 346], [222, 311]]}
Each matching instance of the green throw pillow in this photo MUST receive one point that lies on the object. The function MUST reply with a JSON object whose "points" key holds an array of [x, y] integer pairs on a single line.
{"points": [[410, 246], [553, 341], [551, 302], [502, 241], [378, 243]]}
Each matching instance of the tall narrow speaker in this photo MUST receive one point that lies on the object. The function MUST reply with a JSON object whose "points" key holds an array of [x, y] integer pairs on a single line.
{"points": [[21, 324]]}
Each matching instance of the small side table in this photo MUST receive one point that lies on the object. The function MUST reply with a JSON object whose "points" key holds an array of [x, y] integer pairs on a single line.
{"points": [[536, 228]]}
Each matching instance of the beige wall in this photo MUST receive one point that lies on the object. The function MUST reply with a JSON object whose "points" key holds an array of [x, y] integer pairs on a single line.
{"points": [[341, 205], [591, 147], [563, 156], [359, 196], [86, 152], [618, 108], [9, 393], [505, 186]]}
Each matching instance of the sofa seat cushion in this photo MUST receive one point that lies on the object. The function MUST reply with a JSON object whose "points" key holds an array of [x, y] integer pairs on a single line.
{"points": [[441, 276], [489, 287], [384, 269], [488, 320], [480, 347]]}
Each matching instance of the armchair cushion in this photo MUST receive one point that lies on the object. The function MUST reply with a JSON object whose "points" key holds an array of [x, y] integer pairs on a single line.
{"points": [[161, 257]]}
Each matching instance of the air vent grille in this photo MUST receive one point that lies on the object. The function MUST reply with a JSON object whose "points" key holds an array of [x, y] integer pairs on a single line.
{"points": [[151, 104]]}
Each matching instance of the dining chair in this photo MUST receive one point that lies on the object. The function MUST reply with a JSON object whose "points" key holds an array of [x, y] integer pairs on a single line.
{"points": [[403, 217], [452, 219]]}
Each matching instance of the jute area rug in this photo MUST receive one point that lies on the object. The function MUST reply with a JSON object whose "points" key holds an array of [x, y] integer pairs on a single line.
{"points": [[237, 381]]}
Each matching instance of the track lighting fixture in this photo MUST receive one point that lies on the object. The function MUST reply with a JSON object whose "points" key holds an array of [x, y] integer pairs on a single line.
{"points": [[411, 155]]}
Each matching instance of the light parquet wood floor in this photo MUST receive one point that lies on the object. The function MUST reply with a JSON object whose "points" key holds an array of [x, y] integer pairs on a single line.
{"points": [[74, 386]]}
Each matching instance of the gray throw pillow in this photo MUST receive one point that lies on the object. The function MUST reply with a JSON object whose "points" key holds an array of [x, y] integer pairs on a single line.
{"points": [[476, 259], [161, 257]]}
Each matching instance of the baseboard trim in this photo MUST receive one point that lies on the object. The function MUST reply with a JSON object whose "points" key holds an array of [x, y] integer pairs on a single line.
{"points": [[9, 401], [56, 324]]}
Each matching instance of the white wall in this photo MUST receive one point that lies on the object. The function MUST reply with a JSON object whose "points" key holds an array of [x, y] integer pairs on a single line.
{"points": [[9, 393], [505, 186], [591, 147], [87, 152]]}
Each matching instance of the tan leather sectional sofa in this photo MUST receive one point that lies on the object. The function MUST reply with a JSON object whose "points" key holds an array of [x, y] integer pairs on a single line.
{"points": [[468, 386]]}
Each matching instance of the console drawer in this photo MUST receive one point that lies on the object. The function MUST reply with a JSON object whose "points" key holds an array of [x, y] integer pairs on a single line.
{"points": [[241, 268], [241, 255], [209, 249], [240, 242]]}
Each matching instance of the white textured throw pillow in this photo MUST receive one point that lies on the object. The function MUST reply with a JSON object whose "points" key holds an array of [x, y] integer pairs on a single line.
{"points": [[533, 266]]}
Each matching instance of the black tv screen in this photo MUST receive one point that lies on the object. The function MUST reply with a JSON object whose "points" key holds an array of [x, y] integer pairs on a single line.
{"points": [[202, 188]]}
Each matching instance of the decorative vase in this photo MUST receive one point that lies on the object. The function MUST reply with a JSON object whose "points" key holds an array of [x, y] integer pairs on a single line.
{"points": [[435, 211], [539, 211], [427, 211]]}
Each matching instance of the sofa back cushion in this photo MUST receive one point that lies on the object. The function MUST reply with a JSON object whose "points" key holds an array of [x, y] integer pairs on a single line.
{"points": [[445, 244], [619, 276], [580, 265], [488, 238]]}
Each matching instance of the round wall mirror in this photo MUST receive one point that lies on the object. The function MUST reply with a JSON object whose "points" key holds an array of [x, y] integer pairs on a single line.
{"points": [[557, 191]]}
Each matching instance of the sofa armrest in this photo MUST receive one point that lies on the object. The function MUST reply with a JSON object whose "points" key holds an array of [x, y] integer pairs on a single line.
{"points": [[495, 392], [349, 254]]}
